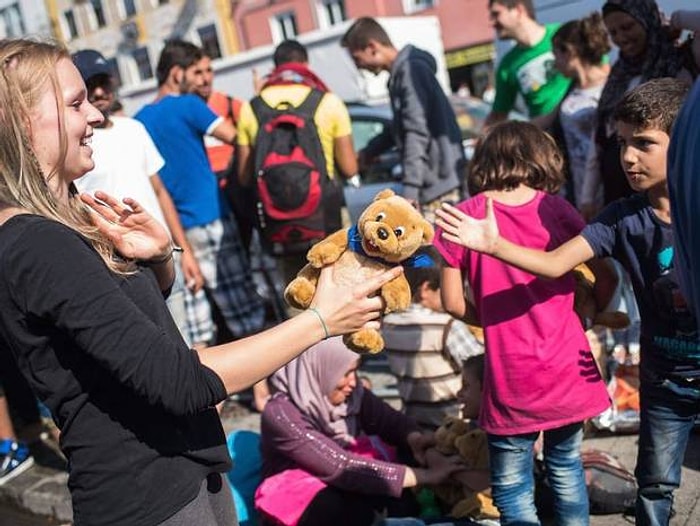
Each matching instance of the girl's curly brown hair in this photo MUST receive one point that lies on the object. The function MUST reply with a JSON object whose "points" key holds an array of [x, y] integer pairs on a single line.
{"points": [[513, 153]]}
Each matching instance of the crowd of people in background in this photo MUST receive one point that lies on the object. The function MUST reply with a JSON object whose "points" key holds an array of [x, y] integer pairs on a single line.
{"points": [[129, 312]]}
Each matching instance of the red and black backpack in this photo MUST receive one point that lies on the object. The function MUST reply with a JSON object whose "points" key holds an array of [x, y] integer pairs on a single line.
{"points": [[296, 203]]}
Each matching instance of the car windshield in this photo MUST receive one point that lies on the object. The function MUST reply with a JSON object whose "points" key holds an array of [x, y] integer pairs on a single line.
{"points": [[365, 130], [471, 114]]}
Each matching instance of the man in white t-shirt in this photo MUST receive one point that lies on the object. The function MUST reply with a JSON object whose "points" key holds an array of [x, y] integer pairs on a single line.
{"points": [[127, 164]]}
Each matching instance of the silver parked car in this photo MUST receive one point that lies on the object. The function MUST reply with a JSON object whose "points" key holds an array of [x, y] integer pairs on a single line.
{"points": [[371, 123]]}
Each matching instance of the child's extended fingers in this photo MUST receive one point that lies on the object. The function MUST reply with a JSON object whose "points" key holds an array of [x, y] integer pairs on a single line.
{"points": [[443, 215], [454, 211], [451, 238], [445, 226], [489, 209]]}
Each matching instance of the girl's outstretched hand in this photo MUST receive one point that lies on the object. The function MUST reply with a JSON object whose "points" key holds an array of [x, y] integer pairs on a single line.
{"points": [[134, 232], [347, 308], [475, 234]]}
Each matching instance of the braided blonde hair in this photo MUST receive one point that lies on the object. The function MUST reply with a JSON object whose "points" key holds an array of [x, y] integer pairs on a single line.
{"points": [[27, 70]]}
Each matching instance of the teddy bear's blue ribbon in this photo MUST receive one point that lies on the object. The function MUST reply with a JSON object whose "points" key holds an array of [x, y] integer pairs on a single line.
{"points": [[414, 261]]}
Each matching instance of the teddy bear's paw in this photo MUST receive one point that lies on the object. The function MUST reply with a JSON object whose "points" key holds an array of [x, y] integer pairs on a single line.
{"points": [[397, 295], [323, 254], [364, 341], [612, 320], [469, 506], [299, 293], [476, 506], [397, 303]]}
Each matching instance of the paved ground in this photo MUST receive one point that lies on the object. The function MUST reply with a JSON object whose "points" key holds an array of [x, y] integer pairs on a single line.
{"points": [[42, 491], [687, 499]]}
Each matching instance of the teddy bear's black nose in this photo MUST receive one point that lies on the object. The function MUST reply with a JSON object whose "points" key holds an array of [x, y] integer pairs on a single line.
{"points": [[382, 234]]}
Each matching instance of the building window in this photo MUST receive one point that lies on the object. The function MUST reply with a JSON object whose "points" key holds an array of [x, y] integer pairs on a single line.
{"points": [[143, 63], [210, 41], [69, 17], [99, 13], [129, 8], [12, 23], [284, 27], [130, 34], [412, 6], [331, 12]]}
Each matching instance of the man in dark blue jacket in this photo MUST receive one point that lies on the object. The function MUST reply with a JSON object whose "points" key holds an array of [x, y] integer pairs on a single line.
{"points": [[425, 127]]}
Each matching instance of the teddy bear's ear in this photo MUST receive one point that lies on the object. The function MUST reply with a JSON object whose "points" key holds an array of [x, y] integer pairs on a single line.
{"points": [[428, 231], [384, 194], [584, 273]]}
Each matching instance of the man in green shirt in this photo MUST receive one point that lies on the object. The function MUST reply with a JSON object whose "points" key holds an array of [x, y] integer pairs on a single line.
{"points": [[528, 68]]}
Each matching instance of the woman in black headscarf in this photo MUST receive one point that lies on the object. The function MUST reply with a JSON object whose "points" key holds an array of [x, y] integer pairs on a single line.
{"points": [[646, 51]]}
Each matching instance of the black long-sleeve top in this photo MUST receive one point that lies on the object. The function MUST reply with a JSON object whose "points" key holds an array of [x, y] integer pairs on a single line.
{"points": [[134, 404]]}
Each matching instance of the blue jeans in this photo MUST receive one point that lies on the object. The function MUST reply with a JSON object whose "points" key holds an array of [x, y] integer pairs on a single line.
{"points": [[668, 411], [513, 484]]}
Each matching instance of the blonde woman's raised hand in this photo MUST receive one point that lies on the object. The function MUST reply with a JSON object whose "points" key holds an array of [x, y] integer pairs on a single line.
{"points": [[475, 234], [134, 232]]}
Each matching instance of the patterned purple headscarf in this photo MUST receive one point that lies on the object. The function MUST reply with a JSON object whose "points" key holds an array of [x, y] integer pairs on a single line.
{"points": [[310, 378]]}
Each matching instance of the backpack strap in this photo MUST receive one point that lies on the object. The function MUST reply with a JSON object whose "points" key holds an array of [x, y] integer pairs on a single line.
{"points": [[263, 113], [307, 109], [262, 110]]}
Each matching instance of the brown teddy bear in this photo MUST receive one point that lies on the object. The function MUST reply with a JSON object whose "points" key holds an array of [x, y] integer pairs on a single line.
{"points": [[447, 434], [593, 321], [585, 304], [455, 436], [388, 233]]}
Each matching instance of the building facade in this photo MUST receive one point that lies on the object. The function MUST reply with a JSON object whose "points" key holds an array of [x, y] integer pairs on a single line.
{"points": [[466, 33], [24, 17], [131, 33]]}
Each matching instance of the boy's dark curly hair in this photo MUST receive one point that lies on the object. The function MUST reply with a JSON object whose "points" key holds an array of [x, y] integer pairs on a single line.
{"points": [[654, 104]]}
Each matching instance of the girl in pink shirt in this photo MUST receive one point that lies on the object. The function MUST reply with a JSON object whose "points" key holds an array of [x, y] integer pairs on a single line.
{"points": [[540, 374]]}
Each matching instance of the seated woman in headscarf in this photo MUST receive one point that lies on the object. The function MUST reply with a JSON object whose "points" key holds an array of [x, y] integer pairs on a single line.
{"points": [[324, 436]]}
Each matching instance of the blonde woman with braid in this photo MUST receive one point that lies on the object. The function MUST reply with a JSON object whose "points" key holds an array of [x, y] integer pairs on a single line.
{"points": [[82, 313]]}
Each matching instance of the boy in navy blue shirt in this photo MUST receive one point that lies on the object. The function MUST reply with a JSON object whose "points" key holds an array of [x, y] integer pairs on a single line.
{"points": [[637, 232]]}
